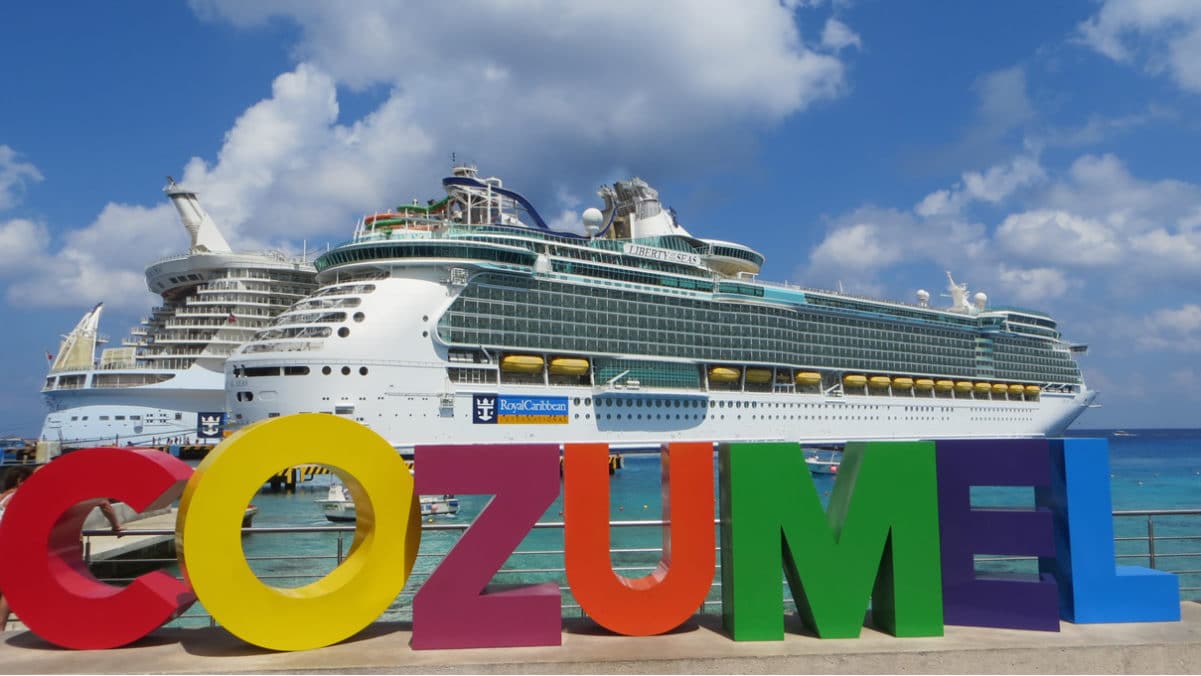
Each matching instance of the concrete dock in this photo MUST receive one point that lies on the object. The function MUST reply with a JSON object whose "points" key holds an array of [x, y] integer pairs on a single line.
{"points": [[698, 647]]}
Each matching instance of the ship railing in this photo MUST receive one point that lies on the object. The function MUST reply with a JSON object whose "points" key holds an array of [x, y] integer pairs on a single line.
{"points": [[1168, 540]]}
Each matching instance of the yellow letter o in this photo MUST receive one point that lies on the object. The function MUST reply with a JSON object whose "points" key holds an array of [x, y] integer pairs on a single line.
{"points": [[353, 595]]}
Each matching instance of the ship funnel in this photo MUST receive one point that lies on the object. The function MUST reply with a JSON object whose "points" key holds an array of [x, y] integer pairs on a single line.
{"points": [[204, 232]]}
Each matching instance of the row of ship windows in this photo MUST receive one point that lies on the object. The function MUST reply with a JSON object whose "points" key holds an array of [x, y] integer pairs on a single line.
{"points": [[499, 305], [721, 416], [572, 299], [598, 297], [162, 417], [732, 350]]}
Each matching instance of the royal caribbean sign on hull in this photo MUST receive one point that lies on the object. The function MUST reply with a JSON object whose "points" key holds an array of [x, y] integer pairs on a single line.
{"points": [[509, 409], [899, 537]]}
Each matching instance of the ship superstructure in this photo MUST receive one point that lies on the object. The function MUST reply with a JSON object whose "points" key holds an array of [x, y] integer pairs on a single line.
{"points": [[469, 320], [163, 384]]}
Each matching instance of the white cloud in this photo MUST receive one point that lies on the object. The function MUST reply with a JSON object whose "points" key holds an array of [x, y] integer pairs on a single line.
{"points": [[1003, 100], [14, 175], [104, 261], [993, 185], [1165, 35], [1034, 285], [665, 88], [21, 243], [1172, 329], [837, 35], [1058, 236]]}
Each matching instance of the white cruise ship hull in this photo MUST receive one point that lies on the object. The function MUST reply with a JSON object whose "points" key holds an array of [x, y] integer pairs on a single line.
{"points": [[147, 415], [392, 375]]}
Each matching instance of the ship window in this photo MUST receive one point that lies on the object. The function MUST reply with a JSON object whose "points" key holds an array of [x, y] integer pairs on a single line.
{"points": [[343, 332], [296, 370], [74, 417], [135, 417], [104, 417], [258, 371], [118, 417], [345, 370], [326, 370], [359, 316], [362, 370]]}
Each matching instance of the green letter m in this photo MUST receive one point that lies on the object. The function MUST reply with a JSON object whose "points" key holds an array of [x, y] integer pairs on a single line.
{"points": [[882, 544]]}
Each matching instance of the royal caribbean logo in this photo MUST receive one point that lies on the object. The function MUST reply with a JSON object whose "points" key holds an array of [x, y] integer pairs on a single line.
{"points": [[507, 409], [209, 425]]}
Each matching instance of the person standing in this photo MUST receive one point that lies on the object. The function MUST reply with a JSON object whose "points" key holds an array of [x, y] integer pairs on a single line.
{"points": [[12, 481]]}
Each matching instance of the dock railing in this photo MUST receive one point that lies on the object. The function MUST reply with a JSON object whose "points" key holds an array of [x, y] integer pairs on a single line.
{"points": [[291, 556]]}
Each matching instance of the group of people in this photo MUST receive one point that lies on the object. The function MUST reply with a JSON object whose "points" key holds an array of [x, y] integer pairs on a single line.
{"points": [[12, 481]]}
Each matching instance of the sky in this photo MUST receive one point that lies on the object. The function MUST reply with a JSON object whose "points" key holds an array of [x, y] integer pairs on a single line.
{"points": [[1043, 153]]}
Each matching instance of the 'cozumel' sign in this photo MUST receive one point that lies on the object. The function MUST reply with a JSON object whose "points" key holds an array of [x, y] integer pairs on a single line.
{"points": [[899, 532]]}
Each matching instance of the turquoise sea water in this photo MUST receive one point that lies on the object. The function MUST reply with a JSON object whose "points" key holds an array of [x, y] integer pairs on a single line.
{"points": [[1150, 469]]}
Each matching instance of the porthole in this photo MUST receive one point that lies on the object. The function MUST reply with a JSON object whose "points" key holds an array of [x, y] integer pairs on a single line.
{"points": [[345, 370], [343, 332], [359, 316], [326, 370], [362, 370], [425, 334]]}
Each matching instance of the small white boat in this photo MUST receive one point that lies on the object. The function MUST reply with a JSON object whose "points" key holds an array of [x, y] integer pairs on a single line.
{"points": [[339, 506], [823, 462]]}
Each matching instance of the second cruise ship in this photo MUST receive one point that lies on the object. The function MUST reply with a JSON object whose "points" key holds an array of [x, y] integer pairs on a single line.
{"points": [[163, 385], [470, 320]]}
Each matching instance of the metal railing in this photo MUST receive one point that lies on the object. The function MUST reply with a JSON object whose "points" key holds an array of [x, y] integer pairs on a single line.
{"points": [[1168, 540]]}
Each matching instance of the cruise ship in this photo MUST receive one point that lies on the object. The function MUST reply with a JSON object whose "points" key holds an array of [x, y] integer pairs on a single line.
{"points": [[163, 385], [470, 320]]}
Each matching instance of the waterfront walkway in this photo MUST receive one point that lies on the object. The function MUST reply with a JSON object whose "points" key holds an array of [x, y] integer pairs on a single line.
{"points": [[699, 647]]}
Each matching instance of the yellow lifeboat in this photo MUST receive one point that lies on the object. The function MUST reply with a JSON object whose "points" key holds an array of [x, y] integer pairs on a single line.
{"points": [[723, 374], [1033, 390], [944, 385], [521, 363], [924, 384], [1016, 389], [854, 380], [809, 378], [963, 386], [758, 375], [999, 388], [568, 366], [879, 381], [902, 382], [983, 388]]}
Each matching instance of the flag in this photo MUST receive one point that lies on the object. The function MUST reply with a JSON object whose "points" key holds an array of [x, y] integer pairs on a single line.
{"points": [[231, 318], [49, 357]]}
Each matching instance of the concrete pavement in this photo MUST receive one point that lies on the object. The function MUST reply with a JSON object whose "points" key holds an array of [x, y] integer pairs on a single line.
{"points": [[699, 647]]}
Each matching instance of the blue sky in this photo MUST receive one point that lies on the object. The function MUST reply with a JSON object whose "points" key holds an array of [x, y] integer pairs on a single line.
{"points": [[1045, 153]]}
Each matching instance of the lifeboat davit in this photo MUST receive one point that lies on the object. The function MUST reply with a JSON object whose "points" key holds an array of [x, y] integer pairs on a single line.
{"points": [[809, 378], [723, 374], [879, 381], [568, 366], [521, 363], [902, 382], [758, 375], [854, 380]]}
